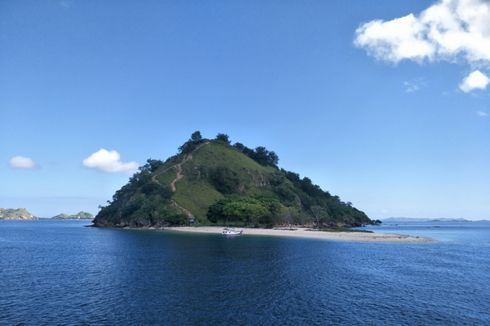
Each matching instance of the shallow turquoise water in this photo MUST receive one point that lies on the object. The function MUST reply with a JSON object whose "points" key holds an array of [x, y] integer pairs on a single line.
{"points": [[60, 272]]}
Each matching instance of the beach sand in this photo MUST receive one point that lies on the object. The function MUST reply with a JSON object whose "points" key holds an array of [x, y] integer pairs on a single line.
{"points": [[305, 233]]}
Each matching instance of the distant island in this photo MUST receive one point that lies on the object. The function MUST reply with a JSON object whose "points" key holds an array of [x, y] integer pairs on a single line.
{"points": [[417, 219], [15, 214], [214, 182], [79, 216]]}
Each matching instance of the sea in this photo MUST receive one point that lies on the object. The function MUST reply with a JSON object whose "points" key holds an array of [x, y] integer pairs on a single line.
{"points": [[65, 273]]}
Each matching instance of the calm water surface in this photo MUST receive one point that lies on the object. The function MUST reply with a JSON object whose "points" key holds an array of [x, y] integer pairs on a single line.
{"points": [[60, 272]]}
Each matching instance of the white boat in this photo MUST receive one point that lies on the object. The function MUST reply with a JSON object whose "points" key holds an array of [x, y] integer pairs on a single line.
{"points": [[230, 231]]}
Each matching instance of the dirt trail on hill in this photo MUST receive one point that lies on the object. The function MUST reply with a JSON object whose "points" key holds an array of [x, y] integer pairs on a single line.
{"points": [[185, 210], [178, 177]]}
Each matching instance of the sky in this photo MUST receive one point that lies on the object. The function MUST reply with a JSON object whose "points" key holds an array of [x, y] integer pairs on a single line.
{"points": [[383, 103]]}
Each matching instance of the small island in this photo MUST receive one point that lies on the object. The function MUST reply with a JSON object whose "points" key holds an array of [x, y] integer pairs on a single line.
{"points": [[213, 183], [15, 214], [79, 216]]}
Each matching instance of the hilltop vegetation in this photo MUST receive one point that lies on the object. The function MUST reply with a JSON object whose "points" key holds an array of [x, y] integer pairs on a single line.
{"points": [[15, 214], [211, 181]]}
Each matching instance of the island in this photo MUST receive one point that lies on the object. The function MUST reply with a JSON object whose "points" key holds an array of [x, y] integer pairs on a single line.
{"points": [[212, 183], [15, 214], [78, 216], [418, 219]]}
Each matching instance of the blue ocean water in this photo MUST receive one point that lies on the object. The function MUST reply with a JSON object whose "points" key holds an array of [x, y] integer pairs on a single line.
{"points": [[60, 272]]}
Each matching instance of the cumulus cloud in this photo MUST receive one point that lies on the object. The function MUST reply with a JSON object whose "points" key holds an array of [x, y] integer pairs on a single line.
{"points": [[475, 80], [449, 30], [482, 114], [109, 161], [395, 40], [22, 162]]}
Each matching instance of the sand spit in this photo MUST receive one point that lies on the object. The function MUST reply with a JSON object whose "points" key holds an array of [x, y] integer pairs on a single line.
{"points": [[306, 233]]}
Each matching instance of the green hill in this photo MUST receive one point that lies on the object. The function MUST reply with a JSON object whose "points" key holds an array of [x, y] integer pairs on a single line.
{"points": [[214, 182]]}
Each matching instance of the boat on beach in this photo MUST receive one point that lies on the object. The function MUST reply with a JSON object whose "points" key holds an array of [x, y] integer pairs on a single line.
{"points": [[231, 231]]}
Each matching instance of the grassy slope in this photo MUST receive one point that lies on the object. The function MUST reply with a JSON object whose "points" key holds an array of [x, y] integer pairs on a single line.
{"points": [[196, 197], [195, 192]]}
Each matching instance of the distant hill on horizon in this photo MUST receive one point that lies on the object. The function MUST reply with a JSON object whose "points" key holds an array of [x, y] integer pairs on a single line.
{"points": [[15, 214], [211, 181], [78, 216], [419, 219]]}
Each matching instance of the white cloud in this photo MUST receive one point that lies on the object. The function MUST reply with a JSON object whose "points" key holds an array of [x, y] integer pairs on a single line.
{"points": [[414, 85], [22, 162], [395, 40], [109, 161], [449, 30], [410, 87], [482, 114], [475, 80]]}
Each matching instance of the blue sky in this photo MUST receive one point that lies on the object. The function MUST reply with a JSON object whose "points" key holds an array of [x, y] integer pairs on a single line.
{"points": [[394, 132]]}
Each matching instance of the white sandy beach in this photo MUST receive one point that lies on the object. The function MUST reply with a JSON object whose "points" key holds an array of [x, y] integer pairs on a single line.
{"points": [[305, 233]]}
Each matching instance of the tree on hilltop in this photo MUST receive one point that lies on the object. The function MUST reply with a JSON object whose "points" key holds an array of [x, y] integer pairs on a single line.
{"points": [[196, 136], [223, 138]]}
